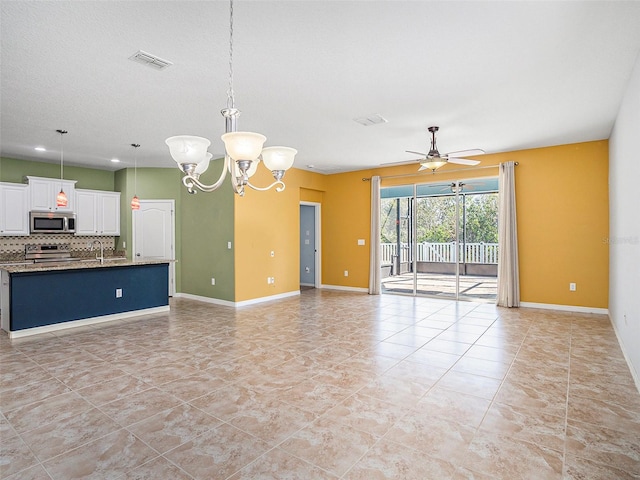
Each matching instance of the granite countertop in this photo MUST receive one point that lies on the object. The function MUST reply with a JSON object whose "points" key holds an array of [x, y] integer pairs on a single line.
{"points": [[24, 267]]}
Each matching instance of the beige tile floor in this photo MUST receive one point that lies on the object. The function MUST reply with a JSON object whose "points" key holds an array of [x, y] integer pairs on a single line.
{"points": [[327, 385]]}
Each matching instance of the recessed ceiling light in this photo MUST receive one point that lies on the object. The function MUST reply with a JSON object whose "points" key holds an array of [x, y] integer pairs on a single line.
{"points": [[115, 160], [40, 149]]}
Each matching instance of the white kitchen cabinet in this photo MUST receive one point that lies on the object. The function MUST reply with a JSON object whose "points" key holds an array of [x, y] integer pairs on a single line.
{"points": [[109, 213], [14, 209], [43, 192], [97, 212], [86, 212]]}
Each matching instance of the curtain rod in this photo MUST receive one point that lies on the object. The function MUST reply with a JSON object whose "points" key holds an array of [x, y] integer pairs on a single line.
{"points": [[365, 179]]}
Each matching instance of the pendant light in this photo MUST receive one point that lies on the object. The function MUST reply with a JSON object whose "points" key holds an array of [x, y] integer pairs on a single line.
{"points": [[61, 198], [135, 201], [243, 150]]}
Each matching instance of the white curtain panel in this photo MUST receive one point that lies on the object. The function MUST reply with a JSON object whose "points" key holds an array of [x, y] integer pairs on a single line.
{"points": [[508, 271], [374, 253]]}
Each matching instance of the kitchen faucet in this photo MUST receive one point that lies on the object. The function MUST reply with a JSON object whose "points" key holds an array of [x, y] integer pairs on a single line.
{"points": [[101, 257]]}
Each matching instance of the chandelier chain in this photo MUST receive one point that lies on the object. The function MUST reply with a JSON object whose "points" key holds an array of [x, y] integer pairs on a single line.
{"points": [[230, 93]]}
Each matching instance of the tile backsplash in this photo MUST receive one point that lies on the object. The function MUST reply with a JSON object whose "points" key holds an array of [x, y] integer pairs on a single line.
{"points": [[10, 246]]}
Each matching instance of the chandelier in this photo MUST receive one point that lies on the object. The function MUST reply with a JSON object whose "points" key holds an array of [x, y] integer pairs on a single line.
{"points": [[243, 150]]}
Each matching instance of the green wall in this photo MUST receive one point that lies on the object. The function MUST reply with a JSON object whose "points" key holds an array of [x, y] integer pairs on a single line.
{"points": [[207, 227], [204, 222], [152, 184], [204, 225], [14, 171]]}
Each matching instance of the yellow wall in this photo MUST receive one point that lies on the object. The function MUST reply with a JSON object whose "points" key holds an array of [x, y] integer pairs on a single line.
{"points": [[346, 212], [270, 221], [563, 221]]}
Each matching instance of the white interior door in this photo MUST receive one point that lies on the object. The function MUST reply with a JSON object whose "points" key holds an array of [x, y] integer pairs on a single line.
{"points": [[154, 233]]}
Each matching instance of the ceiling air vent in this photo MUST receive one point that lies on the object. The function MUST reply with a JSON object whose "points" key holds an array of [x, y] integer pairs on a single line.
{"points": [[369, 120], [150, 60]]}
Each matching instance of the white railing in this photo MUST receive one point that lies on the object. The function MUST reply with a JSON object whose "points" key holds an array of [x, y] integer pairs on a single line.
{"points": [[441, 252]]}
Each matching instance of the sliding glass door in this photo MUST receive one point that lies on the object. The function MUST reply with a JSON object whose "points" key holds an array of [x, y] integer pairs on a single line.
{"points": [[437, 242], [440, 239]]}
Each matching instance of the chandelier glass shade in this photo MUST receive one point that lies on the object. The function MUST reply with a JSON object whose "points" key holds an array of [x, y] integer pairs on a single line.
{"points": [[243, 150], [243, 145], [278, 158], [187, 150]]}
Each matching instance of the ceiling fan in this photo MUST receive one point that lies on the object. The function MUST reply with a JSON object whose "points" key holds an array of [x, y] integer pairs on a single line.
{"points": [[434, 160], [461, 187]]}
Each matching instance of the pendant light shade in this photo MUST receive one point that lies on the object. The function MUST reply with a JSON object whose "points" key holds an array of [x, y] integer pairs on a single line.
{"points": [[243, 145], [278, 158], [61, 199], [135, 203]]}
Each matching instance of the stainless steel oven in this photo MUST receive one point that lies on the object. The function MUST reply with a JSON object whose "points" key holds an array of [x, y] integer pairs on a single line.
{"points": [[52, 222]]}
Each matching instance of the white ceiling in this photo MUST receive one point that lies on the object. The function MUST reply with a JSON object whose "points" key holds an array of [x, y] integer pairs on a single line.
{"points": [[500, 76]]}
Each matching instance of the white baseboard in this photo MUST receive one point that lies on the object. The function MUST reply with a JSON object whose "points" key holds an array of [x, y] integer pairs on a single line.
{"points": [[85, 321], [199, 298], [279, 296], [565, 308], [345, 289], [243, 303], [634, 373]]}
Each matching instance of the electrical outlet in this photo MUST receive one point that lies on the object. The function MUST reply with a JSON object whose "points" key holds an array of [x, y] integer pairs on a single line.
{"points": [[124, 244], [572, 287], [268, 280], [346, 273], [118, 293], [213, 281], [273, 280], [229, 245], [361, 241]]}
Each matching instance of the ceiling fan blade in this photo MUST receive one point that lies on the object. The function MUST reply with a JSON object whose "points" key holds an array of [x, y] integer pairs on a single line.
{"points": [[403, 162], [467, 153], [463, 161], [417, 153]]}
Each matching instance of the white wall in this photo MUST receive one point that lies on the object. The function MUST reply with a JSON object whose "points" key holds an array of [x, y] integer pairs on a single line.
{"points": [[624, 226]]}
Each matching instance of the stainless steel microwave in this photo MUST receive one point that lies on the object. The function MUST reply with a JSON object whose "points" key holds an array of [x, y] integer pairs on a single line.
{"points": [[52, 222]]}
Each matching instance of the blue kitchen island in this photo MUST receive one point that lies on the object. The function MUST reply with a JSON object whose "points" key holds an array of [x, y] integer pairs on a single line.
{"points": [[41, 298]]}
